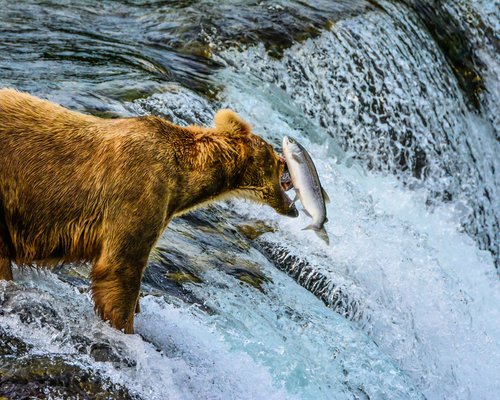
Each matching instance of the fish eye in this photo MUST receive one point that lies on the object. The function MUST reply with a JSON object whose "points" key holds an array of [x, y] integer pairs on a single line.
{"points": [[291, 140]]}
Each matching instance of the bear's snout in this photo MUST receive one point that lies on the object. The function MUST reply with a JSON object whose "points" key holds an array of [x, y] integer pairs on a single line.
{"points": [[286, 205]]}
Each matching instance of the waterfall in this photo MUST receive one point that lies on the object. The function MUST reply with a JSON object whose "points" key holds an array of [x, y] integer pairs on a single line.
{"points": [[381, 88]]}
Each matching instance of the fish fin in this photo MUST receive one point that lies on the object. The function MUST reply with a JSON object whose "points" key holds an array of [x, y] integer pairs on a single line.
{"points": [[307, 213], [325, 196], [297, 158]]}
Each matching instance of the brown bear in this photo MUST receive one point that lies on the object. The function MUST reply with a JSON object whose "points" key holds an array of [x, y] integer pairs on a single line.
{"points": [[75, 187]]}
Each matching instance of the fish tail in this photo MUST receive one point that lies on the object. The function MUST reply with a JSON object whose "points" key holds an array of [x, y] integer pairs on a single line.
{"points": [[321, 232], [323, 235]]}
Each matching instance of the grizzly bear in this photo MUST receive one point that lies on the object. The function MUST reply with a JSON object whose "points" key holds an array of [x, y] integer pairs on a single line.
{"points": [[75, 187]]}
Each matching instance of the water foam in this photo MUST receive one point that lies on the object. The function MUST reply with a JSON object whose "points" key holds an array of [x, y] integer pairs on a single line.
{"points": [[428, 293]]}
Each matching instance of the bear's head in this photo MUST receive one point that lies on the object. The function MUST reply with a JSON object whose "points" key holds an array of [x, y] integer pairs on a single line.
{"points": [[260, 178]]}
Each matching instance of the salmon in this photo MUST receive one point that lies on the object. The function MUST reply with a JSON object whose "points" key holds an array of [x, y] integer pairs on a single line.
{"points": [[307, 185]]}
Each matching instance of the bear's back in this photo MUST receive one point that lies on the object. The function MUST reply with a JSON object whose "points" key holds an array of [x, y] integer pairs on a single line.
{"points": [[62, 172], [21, 110]]}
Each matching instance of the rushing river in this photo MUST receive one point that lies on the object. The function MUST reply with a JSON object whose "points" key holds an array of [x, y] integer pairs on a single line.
{"points": [[398, 104]]}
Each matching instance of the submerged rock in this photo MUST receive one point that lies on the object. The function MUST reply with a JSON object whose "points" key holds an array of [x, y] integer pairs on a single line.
{"points": [[253, 229], [11, 346], [212, 238], [54, 377], [27, 375], [182, 277]]}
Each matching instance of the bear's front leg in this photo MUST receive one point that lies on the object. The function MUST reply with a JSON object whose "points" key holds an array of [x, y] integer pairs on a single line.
{"points": [[116, 282]]}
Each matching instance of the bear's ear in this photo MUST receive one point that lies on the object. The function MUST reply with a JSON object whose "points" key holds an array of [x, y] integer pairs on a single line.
{"points": [[230, 123]]}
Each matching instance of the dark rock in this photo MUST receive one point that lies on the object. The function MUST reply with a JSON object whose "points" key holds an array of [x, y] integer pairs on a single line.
{"points": [[253, 229], [455, 45], [332, 295], [11, 346], [44, 377]]}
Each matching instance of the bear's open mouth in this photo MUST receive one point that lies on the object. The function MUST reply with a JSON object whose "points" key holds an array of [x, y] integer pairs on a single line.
{"points": [[285, 185], [286, 181], [285, 178]]}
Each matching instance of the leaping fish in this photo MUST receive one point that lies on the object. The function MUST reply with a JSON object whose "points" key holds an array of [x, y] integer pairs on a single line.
{"points": [[307, 185]]}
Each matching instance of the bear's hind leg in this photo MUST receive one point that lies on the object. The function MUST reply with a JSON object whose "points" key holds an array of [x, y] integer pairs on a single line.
{"points": [[116, 284], [5, 269]]}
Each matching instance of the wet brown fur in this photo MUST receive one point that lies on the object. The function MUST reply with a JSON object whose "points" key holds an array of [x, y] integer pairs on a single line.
{"points": [[74, 187]]}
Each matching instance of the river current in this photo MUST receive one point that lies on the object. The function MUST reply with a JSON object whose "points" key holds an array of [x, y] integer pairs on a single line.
{"points": [[238, 302]]}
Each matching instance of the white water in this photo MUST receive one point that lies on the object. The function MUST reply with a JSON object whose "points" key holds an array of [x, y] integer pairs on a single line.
{"points": [[380, 87], [430, 296], [203, 367], [277, 345]]}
